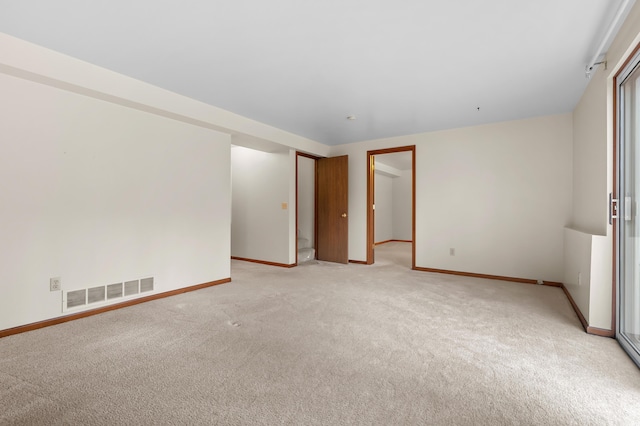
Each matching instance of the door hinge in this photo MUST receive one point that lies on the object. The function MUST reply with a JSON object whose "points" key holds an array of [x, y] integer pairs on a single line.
{"points": [[613, 208]]}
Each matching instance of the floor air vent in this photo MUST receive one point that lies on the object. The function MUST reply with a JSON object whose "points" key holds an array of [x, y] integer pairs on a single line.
{"points": [[146, 284], [106, 294], [76, 298], [131, 287], [114, 291], [95, 295]]}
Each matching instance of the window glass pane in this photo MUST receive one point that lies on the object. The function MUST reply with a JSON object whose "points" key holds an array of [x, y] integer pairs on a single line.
{"points": [[629, 231]]}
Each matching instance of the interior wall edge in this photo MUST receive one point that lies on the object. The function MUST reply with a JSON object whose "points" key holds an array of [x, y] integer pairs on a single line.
{"points": [[265, 262], [38, 64]]}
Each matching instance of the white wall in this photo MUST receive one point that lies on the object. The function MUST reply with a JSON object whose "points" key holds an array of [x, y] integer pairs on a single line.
{"points": [[260, 228], [590, 162], [383, 229], [500, 194], [306, 198], [593, 173], [96, 193], [292, 231], [599, 315], [393, 205], [577, 267], [402, 206]]}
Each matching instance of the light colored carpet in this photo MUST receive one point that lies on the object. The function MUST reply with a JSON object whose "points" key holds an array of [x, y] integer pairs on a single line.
{"points": [[325, 344]]}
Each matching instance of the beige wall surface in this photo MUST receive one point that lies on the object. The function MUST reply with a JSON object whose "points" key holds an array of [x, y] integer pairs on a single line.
{"points": [[259, 223], [402, 205], [306, 199], [97, 193], [499, 194], [593, 176], [383, 230]]}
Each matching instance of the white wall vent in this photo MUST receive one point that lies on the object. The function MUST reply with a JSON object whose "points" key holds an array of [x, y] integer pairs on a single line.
{"points": [[131, 287], [114, 291], [146, 284], [106, 294], [76, 298], [96, 294]]}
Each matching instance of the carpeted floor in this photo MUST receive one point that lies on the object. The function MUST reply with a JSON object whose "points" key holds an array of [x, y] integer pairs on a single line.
{"points": [[325, 344]]}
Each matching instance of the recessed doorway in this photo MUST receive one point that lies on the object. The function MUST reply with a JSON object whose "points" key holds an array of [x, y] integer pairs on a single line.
{"points": [[396, 163]]}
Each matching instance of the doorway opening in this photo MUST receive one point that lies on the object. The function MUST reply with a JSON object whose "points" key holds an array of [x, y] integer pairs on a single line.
{"points": [[330, 211], [306, 207], [392, 164]]}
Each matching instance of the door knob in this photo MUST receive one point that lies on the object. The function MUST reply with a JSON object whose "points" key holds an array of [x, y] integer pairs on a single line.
{"points": [[344, 215]]}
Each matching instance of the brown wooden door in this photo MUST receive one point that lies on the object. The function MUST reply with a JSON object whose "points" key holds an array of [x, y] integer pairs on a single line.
{"points": [[332, 180]]}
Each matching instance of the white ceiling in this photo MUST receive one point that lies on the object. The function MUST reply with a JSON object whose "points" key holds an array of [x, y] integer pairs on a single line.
{"points": [[401, 67]]}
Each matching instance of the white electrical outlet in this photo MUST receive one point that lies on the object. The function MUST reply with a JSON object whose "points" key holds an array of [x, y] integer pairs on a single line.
{"points": [[55, 284]]}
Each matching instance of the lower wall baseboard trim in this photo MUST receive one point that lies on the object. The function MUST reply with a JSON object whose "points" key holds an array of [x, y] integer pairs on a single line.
{"points": [[489, 277], [588, 329], [392, 241], [601, 332], [575, 307], [585, 324], [84, 314], [264, 262]]}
